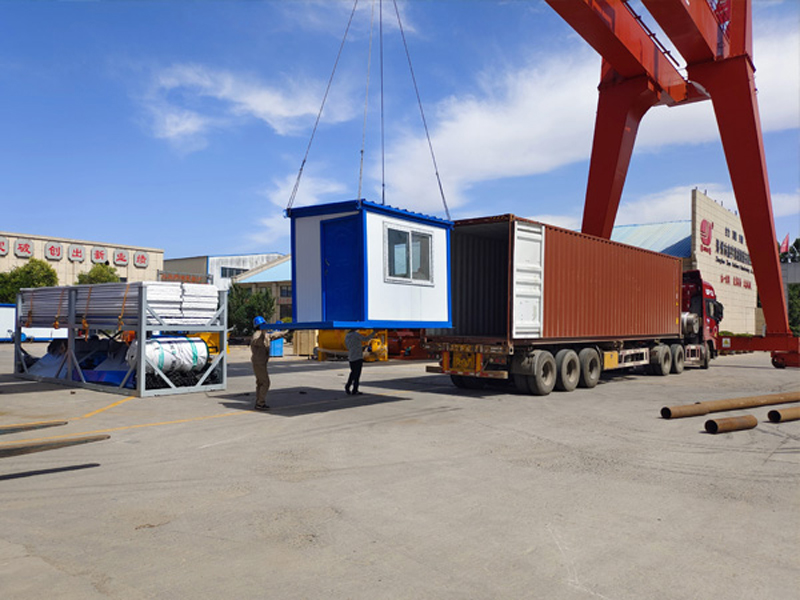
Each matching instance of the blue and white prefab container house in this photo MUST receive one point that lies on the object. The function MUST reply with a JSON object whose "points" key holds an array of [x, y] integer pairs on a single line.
{"points": [[358, 264]]}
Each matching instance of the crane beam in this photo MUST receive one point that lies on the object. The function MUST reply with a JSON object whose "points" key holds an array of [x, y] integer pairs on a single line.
{"points": [[693, 28], [618, 36]]}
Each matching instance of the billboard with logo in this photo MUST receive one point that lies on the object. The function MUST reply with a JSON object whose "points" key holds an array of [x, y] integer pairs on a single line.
{"points": [[720, 251]]}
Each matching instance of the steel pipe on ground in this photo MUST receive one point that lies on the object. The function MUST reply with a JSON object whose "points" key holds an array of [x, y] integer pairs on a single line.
{"points": [[30, 426], [731, 424], [784, 414], [710, 406]]}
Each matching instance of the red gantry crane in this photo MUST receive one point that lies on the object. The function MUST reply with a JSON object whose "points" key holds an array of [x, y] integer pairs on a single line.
{"points": [[715, 39]]}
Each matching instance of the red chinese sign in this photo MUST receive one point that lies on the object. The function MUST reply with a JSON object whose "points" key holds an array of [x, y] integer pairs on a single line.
{"points": [[23, 248], [121, 258], [141, 260], [706, 229], [3, 246], [99, 255], [53, 251], [76, 253]]}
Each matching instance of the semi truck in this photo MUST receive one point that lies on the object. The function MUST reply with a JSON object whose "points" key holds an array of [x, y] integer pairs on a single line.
{"points": [[544, 307]]}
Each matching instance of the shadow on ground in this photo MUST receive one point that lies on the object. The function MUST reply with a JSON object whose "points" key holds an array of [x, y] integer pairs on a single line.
{"points": [[297, 401]]}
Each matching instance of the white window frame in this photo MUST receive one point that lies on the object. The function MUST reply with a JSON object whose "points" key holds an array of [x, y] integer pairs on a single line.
{"points": [[410, 231]]}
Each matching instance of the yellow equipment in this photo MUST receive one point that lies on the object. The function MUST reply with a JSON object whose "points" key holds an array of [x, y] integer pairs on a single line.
{"points": [[331, 345]]}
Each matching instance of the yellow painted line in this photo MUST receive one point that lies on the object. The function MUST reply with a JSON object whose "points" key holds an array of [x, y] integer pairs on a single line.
{"points": [[112, 405], [127, 427]]}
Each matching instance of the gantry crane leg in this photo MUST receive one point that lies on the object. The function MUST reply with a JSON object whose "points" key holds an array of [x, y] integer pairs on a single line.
{"points": [[620, 108], [731, 86]]}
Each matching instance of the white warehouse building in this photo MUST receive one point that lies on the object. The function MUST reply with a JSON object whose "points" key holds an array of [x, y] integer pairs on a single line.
{"points": [[219, 270]]}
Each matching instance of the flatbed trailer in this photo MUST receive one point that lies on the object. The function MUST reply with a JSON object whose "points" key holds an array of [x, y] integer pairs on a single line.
{"points": [[551, 308]]}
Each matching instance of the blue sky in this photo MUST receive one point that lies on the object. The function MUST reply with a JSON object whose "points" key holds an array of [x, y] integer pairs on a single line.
{"points": [[182, 125]]}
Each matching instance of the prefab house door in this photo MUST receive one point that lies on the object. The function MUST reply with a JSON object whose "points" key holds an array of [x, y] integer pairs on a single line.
{"points": [[342, 269]]}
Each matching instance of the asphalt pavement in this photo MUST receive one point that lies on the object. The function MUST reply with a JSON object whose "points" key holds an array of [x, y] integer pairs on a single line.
{"points": [[415, 489]]}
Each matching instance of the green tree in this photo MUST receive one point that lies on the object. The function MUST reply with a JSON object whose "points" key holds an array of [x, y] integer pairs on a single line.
{"points": [[794, 308], [34, 273], [100, 273], [245, 305]]}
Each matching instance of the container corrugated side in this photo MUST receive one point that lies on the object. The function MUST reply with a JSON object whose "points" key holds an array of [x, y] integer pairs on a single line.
{"points": [[595, 289]]}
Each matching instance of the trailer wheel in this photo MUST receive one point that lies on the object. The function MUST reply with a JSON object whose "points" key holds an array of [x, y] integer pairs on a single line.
{"points": [[521, 383], [590, 368], [473, 383], [568, 368], [660, 360], [778, 362], [544, 376], [458, 381], [705, 357], [678, 358], [465, 382]]}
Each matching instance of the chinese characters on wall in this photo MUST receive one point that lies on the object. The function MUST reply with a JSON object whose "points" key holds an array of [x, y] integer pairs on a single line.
{"points": [[76, 253]]}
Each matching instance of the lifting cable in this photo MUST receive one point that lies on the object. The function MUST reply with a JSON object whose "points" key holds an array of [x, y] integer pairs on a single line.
{"points": [[366, 102], [421, 112], [293, 196], [319, 114]]}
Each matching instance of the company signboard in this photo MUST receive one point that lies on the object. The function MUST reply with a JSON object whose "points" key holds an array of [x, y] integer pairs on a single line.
{"points": [[721, 253]]}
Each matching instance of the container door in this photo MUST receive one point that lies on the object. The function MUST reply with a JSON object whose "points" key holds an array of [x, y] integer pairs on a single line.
{"points": [[342, 269], [528, 280]]}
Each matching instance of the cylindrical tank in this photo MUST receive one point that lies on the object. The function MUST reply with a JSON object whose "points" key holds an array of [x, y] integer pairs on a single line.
{"points": [[171, 354], [331, 343]]}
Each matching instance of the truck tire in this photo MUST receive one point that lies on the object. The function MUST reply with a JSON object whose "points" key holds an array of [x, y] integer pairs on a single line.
{"points": [[678, 358], [458, 381], [705, 357], [544, 375], [660, 360], [473, 383], [521, 383], [568, 369], [590, 368]]}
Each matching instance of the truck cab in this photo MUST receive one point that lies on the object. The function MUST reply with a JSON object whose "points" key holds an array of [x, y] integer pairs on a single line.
{"points": [[699, 297]]}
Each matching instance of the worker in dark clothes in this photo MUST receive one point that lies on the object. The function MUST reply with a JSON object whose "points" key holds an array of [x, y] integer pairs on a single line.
{"points": [[259, 357], [354, 341]]}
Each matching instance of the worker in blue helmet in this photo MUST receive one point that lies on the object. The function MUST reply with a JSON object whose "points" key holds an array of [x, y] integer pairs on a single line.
{"points": [[259, 357]]}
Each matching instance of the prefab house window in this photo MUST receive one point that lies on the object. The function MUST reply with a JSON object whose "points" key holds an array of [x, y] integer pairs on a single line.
{"points": [[408, 256]]}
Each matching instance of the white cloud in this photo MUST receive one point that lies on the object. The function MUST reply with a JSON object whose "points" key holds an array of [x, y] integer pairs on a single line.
{"points": [[189, 101], [274, 228], [519, 122], [786, 205], [534, 119], [566, 221], [186, 129], [777, 59], [331, 16], [672, 204]]}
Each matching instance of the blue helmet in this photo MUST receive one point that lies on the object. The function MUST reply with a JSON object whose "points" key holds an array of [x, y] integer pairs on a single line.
{"points": [[258, 322]]}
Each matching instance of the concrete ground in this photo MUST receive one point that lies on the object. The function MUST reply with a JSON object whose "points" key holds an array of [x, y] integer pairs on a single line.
{"points": [[413, 490]]}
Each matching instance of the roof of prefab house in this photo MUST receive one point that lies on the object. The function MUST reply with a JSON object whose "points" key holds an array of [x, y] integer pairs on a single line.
{"points": [[673, 238], [359, 205], [274, 272]]}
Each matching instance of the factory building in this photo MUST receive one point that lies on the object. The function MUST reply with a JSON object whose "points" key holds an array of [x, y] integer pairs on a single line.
{"points": [[219, 270], [70, 257], [275, 277], [712, 242]]}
